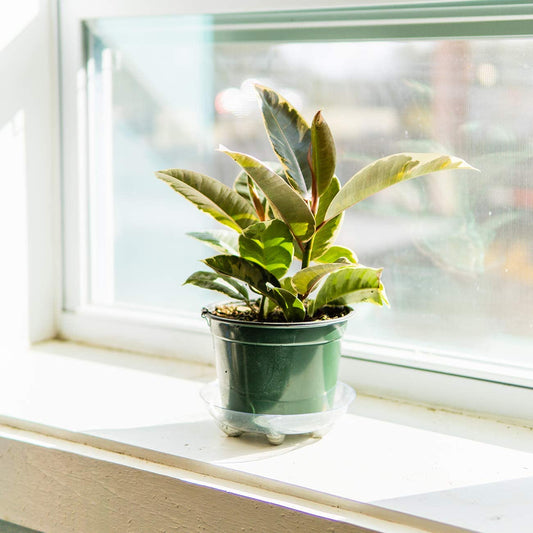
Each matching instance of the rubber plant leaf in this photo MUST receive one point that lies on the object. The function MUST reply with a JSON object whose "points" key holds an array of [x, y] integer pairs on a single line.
{"points": [[349, 286], [211, 196], [240, 183], [272, 301], [223, 241], [253, 274], [286, 203], [286, 283], [292, 307], [305, 280], [212, 281], [326, 236], [289, 135], [337, 253], [326, 199], [269, 244], [323, 153], [246, 187], [388, 171]]}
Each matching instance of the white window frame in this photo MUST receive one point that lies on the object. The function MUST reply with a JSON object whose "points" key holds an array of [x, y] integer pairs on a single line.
{"points": [[387, 370], [30, 229]]}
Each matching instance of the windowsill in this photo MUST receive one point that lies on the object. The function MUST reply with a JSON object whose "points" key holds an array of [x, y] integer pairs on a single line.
{"points": [[385, 459]]}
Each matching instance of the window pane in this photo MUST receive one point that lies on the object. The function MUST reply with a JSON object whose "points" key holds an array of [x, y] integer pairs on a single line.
{"points": [[457, 248]]}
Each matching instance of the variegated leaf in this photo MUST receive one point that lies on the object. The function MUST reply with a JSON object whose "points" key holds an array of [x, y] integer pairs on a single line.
{"points": [[326, 236], [337, 253], [289, 135], [286, 203], [305, 280], [244, 270], [220, 283], [348, 286], [324, 154], [223, 241], [388, 171], [291, 306], [211, 196]]}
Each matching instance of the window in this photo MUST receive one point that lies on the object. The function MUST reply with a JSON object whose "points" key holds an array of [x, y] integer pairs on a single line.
{"points": [[456, 77]]}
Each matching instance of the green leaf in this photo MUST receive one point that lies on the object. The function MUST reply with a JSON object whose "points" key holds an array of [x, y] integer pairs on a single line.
{"points": [[292, 307], [211, 196], [369, 295], [269, 244], [305, 280], [244, 270], [388, 171], [286, 203], [326, 236], [241, 182], [241, 186], [223, 241], [286, 283], [324, 155], [348, 286], [272, 300], [326, 198], [336, 253], [245, 187], [211, 281], [270, 305], [289, 135]]}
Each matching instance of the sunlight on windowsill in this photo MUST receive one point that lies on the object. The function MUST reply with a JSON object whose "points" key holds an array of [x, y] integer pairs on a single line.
{"points": [[428, 463]]}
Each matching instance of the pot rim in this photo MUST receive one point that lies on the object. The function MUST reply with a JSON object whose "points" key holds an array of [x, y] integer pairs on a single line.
{"points": [[209, 315]]}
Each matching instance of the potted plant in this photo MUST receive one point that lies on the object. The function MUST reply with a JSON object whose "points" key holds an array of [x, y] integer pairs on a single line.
{"points": [[277, 342]]}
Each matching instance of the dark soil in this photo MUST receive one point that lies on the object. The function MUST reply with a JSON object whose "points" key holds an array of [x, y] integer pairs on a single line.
{"points": [[239, 311]]}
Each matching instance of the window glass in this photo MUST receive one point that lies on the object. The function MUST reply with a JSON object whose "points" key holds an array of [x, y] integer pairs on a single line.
{"points": [[457, 248]]}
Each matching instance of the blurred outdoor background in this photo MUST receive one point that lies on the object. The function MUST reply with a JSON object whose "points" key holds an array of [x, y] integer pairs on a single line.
{"points": [[457, 248]]}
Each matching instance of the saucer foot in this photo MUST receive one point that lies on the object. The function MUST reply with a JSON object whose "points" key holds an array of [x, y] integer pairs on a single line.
{"points": [[275, 438], [230, 431]]}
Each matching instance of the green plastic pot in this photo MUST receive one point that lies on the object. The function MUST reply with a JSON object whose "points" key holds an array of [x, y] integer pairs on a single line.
{"points": [[276, 368]]}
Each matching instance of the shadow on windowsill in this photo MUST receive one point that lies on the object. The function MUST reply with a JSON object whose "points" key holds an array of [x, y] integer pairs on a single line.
{"points": [[201, 441]]}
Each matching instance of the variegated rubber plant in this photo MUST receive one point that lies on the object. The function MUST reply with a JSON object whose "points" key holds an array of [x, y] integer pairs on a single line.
{"points": [[291, 212]]}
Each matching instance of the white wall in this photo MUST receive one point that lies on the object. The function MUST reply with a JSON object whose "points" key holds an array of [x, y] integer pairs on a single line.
{"points": [[29, 214]]}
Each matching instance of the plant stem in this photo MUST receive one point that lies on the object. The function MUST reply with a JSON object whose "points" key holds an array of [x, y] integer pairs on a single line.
{"points": [[262, 307], [306, 257]]}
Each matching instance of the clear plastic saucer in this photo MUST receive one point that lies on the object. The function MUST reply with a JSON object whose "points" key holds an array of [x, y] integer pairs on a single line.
{"points": [[276, 427]]}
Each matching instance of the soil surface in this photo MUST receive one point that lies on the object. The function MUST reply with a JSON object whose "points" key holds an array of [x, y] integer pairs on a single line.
{"points": [[239, 311]]}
